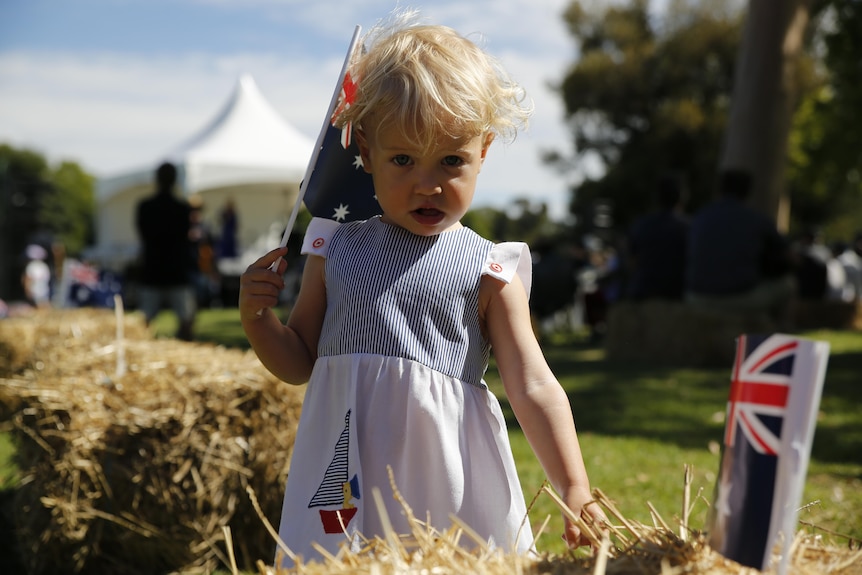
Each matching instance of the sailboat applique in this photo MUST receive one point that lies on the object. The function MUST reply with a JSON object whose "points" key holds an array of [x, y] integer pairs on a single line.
{"points": [[336, 489]]}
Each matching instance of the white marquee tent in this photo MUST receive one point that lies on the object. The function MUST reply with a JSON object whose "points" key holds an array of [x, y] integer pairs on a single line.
{"points": [[247, 153]]}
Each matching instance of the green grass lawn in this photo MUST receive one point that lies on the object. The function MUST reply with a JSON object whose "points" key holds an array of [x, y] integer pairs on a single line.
{"points": [[640, 424], [221, 326]]}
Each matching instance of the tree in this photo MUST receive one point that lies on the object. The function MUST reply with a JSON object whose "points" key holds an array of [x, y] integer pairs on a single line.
{"points": [[41, 204], [646, 97], [21, 187], [825, 149], [68, 209], [686, 93], [768, 85], [524, 221]]}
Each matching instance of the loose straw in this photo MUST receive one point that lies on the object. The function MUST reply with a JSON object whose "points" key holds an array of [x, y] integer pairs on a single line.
{"points": [[121, 346]]}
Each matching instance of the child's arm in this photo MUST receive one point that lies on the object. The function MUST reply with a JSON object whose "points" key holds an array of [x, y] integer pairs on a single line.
{"points": [[538, 400], [287, 350]]}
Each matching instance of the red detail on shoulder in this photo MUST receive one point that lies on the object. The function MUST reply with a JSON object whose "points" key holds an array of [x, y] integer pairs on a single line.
{"points": [[496, 268], [317, 243]]}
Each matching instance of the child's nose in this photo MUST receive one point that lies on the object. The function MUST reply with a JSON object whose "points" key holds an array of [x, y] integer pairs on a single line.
{"points": [[427, 184]]}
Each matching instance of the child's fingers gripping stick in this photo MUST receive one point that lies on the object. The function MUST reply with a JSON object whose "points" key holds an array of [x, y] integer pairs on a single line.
{"points": [[262, 282], [274, 268]]}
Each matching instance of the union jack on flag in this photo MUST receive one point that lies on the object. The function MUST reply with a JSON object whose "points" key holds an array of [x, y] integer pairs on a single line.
{"points": [[83, 285], [81, 273], [774, 395], [758, 393]]}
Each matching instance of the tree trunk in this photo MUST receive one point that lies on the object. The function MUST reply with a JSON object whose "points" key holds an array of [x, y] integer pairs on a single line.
{"points": [[764, 98]]}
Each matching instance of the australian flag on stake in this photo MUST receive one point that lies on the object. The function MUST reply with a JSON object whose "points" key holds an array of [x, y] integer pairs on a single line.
{"points": [[335, 185], [775, 393]]}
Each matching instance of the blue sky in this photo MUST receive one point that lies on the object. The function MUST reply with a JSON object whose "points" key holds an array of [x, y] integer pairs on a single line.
{"points": [[114, 84]]}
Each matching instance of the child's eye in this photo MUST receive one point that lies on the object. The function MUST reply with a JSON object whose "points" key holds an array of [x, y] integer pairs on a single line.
{"points": [[452, 161], [401, 160]]}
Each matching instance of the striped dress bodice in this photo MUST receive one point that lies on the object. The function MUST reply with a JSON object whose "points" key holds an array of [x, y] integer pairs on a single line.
{"points": [[396, 294]]}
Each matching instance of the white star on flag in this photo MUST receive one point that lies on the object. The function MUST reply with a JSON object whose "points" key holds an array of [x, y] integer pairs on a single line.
{"points": [[340, 213], [357, 162]]}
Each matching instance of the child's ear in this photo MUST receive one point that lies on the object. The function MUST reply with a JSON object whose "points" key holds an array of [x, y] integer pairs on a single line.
{"points": [[489, 137], [364, 150]]}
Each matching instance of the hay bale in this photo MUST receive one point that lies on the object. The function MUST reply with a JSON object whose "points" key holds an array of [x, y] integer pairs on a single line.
{"points": [[827, 314], [17, 341], [26, 341], [630, 548], [138, 470], [677, 334]]}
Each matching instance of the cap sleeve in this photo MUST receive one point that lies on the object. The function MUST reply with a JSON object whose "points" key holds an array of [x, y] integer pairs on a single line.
{"points": [[318, 236], [507, 259]]}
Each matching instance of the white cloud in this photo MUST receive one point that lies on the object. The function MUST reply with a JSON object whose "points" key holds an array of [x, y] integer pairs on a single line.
{"points": [[113, 111]]}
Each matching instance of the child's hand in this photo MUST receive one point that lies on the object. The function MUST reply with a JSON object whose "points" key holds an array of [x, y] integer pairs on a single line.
{"points": [[259, 286], [590, 511]]}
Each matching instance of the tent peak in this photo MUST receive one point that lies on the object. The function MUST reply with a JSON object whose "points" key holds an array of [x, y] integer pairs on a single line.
{"points": [[247, 150], [246, 80], [247, 131]]}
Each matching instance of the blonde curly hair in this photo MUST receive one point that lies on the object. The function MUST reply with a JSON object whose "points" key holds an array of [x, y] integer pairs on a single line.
{"points": [[430, 81]]}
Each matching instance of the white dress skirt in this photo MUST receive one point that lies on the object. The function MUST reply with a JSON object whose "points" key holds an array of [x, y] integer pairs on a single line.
{"points": [[398, 386]]}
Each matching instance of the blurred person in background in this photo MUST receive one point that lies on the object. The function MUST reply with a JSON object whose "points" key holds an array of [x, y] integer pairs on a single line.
{"points": [[163, 222], [819, 273], [657, 245], [227, 246], [737, 260], [37, 277], [204, 259], [851, 261]]}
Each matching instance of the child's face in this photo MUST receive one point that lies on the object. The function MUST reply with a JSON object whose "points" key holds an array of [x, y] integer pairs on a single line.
{"points": [[424, 192]]}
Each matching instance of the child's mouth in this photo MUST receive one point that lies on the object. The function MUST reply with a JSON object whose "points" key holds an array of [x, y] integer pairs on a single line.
{"points": [[428, 216], [428, 211]]}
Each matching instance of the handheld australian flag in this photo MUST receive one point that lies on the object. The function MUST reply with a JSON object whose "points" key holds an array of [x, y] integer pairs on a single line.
{"points": [[335, 185], [775, 392]]}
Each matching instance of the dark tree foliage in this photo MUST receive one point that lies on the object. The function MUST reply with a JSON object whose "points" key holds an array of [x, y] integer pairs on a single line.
{"points": [[22, 185], [40, 204], [67, 210], [524, 221], [825, 168], [647, 97]]}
